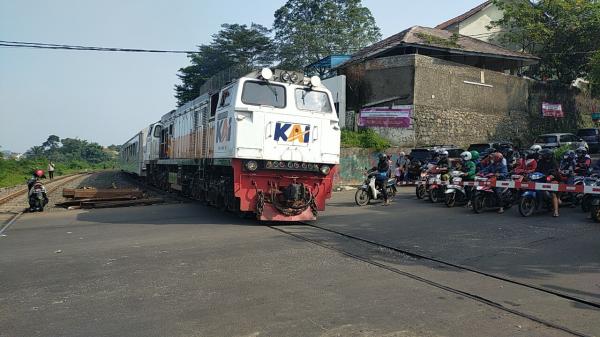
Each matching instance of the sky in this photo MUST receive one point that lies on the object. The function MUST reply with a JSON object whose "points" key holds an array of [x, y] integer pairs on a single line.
{"points": [[106, 97]]}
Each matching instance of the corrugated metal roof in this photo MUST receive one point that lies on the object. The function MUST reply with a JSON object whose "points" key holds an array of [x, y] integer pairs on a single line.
{"points": [[438, 39], [464, 16]]}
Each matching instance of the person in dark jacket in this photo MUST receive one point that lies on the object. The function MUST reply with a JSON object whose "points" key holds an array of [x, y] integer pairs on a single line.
{"points": [[382, 169], [498, 168], [548, 166]]}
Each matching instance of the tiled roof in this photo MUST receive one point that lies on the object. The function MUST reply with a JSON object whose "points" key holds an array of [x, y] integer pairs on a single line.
{"points": [[464, 16], [435, 38]]}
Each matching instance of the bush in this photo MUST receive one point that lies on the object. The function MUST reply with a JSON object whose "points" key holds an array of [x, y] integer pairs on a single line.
{"points": [[365, 138], [559, 152]]}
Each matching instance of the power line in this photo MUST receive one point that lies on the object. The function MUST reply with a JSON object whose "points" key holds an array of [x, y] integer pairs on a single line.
{"points": [[38, 45]]}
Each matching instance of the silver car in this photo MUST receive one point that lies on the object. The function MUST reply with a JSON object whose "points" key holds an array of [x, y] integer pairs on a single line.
{"points": [[554, 140]]}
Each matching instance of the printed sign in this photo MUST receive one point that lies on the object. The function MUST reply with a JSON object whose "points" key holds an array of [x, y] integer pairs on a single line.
{"points": [[552, 110], [292, 134], [395, 117]]}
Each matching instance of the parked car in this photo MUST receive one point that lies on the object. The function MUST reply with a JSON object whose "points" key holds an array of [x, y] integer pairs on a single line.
{"points": [[554, 140], [591, 137], [498, 145]]}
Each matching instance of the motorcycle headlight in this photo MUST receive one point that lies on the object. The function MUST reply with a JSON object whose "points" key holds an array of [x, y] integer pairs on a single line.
{"points": [[325, 169], [251, 165]]}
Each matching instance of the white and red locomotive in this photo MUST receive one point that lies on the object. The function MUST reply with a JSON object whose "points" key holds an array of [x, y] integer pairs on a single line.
{"points": [[267, 143]]}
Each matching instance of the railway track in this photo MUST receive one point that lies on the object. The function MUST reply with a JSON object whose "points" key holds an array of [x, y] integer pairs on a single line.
{"points": [[428, 281], [15, 203]]}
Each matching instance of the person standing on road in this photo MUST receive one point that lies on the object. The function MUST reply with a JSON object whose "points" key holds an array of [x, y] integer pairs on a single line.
{"points": [[401, 163], [51, 169]]}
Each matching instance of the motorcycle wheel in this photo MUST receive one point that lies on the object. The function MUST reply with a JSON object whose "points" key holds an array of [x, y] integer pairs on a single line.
{"points": [[595, 213], [433, 196], [586, 204], [526, 206], [391, 191], [420, 191], [479, 201], [362, 197], [450, 199]]}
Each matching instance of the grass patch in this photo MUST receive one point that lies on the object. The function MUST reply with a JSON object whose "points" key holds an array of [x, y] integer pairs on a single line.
{"points": [[366, 138]]}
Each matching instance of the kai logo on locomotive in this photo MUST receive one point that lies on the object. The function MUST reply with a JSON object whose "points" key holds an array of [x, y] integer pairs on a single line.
{"points": [[296, 134]]}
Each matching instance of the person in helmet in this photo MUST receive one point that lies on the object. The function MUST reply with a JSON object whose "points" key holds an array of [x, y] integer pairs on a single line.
{"points": [[36, 175], [475, 160], [568, 161], [469, 169], [498, 168], [536, 148], [583, 162], [547, 165], [527, 164], [382, 169]]}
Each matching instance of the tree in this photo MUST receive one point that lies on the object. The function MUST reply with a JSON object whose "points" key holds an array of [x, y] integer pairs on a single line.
{"points": [[309, 30], [35, 152], [594, 76], [563, 33], [233, 45], [52, 142]]}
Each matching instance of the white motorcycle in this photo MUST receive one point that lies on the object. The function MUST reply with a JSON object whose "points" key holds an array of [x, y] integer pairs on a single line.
{"points": [[369, 191], [455, 193]]}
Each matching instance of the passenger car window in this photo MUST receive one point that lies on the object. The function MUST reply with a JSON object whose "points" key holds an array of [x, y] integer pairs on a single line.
{"points": [[263, 93], [545, 139], [312, 100]]}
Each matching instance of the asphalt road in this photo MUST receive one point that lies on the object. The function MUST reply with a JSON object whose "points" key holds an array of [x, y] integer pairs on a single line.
{"points": [[187, 270]]}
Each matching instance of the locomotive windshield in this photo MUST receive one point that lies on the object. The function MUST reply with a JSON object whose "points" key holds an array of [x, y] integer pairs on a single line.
{"points": [[312, 100], [263, 93]]}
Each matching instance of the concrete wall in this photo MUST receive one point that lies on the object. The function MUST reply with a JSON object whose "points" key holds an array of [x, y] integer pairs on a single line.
{"points": [[457, 104], [353, 162]]}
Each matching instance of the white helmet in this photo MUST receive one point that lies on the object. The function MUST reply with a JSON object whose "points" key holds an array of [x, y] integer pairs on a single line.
{"points": [[536, 148], [466, 156], [444, 153]]}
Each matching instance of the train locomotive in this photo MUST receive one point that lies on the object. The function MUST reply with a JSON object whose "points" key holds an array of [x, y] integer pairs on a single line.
{"points": [[266, 144]]}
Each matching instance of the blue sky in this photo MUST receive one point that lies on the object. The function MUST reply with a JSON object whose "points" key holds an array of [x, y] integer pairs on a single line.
{"points": [[105, 97]]}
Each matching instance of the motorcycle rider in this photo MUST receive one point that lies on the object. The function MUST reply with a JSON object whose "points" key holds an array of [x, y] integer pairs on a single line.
{"points": [[36, 176], [475, 160], [469, 170], [527, 164], [547, 165], [443, 164], [583, 162], [499, 169], [381, 178]]}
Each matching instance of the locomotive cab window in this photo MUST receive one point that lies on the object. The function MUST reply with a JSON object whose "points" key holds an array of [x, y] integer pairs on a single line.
{"points": [[312, 100], [157, 130], [263, 93], [225, 98]]}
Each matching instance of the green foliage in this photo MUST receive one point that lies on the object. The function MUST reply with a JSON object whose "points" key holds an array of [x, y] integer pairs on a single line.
{"points": [[561, 32], [559, 152], [595, 74], [233, 45], [366, 138], [308, 30], [452, 42]]}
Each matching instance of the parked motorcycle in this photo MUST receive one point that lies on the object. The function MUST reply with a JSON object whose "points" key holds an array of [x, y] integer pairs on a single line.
{"points": [[38, 198], [534, 200], [455, 193], [370, 191], [484, 197]]}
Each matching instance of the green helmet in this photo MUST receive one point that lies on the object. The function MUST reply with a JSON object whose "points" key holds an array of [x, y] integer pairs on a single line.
{"points": [[474, 155]]}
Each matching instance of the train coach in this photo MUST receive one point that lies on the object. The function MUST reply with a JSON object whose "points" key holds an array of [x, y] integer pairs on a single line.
{"points": [[266, 144]]}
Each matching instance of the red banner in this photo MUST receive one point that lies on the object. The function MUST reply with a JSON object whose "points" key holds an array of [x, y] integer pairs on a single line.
{"points": [[552, 110], [395, 117]]}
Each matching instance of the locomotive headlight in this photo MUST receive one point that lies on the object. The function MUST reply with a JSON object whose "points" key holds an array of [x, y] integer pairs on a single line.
{"points": [[285, 76], [294, 77], [251, 165], [325, 169]]}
